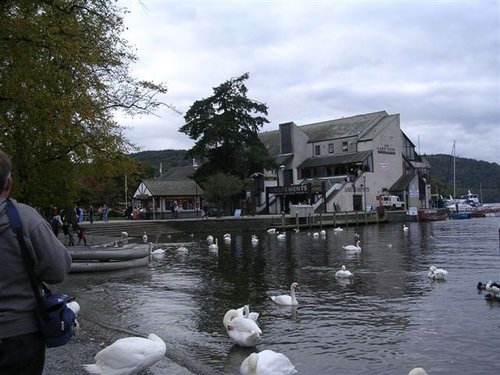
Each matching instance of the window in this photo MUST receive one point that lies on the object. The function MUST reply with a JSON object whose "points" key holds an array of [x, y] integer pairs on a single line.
{"points": [[317, 150], [345, 146], [330, 148]]}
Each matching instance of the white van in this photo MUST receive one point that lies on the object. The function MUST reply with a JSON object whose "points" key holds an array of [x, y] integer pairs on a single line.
{"points": [[391, 202]]}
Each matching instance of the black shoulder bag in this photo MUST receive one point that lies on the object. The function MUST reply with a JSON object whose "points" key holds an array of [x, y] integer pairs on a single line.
{"points": [[55, 319]]}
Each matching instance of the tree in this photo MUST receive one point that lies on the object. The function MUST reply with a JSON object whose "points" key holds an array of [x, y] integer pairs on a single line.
{"points": [[220, 187], [225, 127], [64, 72]]}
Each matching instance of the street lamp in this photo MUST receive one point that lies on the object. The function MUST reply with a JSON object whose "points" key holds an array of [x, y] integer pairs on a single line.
{"points": [[282, 169], [195, 167], [364, 193]]}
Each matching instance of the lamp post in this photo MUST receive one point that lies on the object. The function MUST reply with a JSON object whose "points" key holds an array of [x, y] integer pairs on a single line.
{"points": [[282, 169], [364, 193], [195, 167]]}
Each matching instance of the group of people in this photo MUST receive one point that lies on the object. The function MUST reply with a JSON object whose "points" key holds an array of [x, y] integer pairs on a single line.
{"points": [[68, 226], [22, 347]]}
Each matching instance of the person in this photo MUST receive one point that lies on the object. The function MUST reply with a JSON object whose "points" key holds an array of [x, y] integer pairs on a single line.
{"points": [[22, 348], [81, 236], [56, 223], [67, 234], [105, 211], [91, 214]]}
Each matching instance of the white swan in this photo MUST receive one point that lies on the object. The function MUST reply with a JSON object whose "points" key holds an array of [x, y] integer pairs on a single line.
{"points": [[492, 288], [145, 238], [417, 371], [271, 230], [255, 239], [158, 253], [182, 250], [338, 229], [214, 246], [285, 299], [210, 239], [267, 362], [128, 356], [405, 228], [243, 331], [343, 272], [315, 235], [244, 312], [322, 233], [437, 273], [281, 236], [353, 247]]}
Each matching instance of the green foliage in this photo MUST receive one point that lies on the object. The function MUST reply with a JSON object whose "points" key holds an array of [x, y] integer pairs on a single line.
{"points": [[225, 127], [220, 187], [480, 177], [64, 72]]}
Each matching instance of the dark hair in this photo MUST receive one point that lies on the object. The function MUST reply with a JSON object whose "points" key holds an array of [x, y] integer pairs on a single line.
{"points": [[5, 168]]}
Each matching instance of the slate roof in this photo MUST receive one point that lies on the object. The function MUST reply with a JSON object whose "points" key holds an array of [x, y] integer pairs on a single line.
{"points": [[402, 183], [336, 160], [159, 187]]}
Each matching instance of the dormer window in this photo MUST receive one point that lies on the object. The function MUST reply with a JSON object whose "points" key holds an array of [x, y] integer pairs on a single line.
{"points": [[330, 148], [345, 146]]}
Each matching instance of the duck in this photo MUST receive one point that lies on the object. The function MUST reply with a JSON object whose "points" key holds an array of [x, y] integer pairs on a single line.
{"points": [[214, 246], [287, 300], [356, 247], [145, 238], [343, 272], [436, 273], [417, 371], [244, 332], [267, 362], [128, 356]]}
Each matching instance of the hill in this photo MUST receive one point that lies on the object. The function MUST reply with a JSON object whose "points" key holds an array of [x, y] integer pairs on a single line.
{"points": [[478, 176]]}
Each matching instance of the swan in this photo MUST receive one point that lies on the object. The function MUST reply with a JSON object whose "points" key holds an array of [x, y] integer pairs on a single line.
{"points": [[436, 273], [243, 331], [255, 239], [145, 238], [315, 235], [182, 250], [288, 300], [128, 356], [417, 371], [322, 232], [353, 247], [271, 230], [214, 246], [244, 312], [343, 272], [158, 251], [267, 362], [210, 239], [338, 229], [405, 228], [281, 236], [492, 288]]}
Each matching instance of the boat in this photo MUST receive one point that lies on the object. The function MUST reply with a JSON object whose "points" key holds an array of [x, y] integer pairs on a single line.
{"points": [[104, 258], [432, 214], [111, 265], [460, 215]]}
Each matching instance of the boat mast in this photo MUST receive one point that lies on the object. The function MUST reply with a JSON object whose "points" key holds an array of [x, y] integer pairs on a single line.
{"points": [[453, 153]]}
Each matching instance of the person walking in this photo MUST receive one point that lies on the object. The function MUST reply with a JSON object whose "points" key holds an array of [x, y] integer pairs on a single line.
{"points": [[91, 214], [22, 348]]}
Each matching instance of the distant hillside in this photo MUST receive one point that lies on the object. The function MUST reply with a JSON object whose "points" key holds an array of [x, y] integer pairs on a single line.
{"points": [[166, 158], [478, 176]]}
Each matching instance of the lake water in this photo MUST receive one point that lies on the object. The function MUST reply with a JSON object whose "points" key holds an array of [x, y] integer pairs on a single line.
{"points": [[389, 319]]}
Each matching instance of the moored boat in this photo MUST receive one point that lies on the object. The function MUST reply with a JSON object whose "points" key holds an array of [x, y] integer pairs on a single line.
{"points": [[111, 265]]}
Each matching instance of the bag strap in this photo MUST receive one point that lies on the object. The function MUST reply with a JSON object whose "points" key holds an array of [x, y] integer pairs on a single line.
{"points": [[17, 228]]}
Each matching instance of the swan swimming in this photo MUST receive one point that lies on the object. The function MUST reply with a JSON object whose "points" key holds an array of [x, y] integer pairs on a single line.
{"points": [[491, 287], [214, 246], [405, 228], [343, 272], [417, 371], [145, 238], [267, 362], [243, 331], [436, 273], [128, 356], [271, 230], [338, 229], [353, 247], [255, 239], [285, 299]]}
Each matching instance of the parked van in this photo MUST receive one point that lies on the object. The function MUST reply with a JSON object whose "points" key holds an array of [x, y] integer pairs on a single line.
{"points": [[391, 202]]}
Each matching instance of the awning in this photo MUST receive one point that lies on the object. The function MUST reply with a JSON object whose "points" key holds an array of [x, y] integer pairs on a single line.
{"points": [[356, 157], [283, 158]]}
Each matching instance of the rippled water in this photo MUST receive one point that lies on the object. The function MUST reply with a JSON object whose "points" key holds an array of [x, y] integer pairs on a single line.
{"points": [[389, 319]]}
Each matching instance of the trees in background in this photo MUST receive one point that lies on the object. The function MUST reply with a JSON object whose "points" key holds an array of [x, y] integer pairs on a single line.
{"points": [[64, 72]]}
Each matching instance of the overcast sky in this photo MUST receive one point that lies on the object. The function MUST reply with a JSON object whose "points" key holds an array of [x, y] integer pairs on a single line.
{"points": [[436, 63]]}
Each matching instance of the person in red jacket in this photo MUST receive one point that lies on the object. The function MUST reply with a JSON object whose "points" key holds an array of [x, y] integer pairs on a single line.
{"points": [[22, 348]]}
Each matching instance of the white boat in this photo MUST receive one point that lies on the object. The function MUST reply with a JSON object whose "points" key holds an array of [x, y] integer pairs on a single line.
{"points": [[110, 265]]}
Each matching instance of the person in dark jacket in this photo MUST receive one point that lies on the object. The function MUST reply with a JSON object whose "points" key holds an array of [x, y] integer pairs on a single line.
{"points": [[22, 349]]}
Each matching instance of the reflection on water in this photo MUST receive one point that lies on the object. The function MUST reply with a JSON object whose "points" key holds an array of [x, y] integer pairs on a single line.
{"points": [[387, 319]]}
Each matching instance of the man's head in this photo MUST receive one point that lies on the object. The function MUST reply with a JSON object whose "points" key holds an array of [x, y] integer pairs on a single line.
{"points": [[5, 178]]}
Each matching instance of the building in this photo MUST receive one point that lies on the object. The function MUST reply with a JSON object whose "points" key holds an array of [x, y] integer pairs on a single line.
{"points": [[177, 187], [341, 165]]}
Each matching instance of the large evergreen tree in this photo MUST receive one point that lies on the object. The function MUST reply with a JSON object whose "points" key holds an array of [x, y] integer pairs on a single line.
{"points": [[225, 127], [64, 71]]}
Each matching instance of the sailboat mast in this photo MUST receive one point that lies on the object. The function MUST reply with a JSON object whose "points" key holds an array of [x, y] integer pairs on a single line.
{"points": [[454, 179]]}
